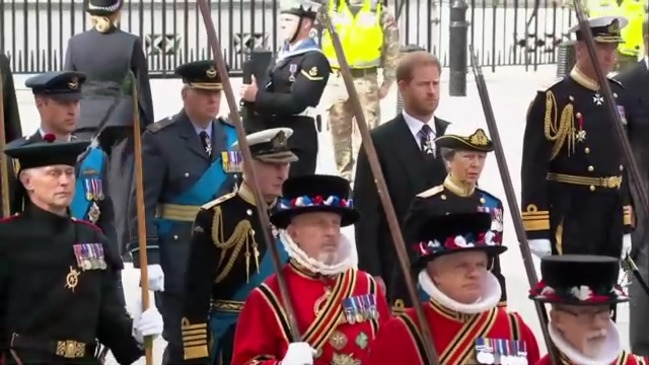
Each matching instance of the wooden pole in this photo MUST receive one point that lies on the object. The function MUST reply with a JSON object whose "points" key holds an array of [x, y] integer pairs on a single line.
{"points": [[141, 221], [4, 162], [388, 208], [261, 208]]}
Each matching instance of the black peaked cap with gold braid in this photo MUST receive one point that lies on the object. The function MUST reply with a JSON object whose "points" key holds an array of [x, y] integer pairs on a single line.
{"points": [[474, 140]]}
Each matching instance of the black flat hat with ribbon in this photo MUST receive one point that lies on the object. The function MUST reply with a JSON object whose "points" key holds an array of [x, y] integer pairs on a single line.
{"points": [[314, 193], [451, 233], [579, 280]]}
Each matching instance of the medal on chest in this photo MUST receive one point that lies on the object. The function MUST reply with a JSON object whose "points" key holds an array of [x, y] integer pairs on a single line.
{"points": [[580, 134], [72, 279], [292, 69], [598, 99]]}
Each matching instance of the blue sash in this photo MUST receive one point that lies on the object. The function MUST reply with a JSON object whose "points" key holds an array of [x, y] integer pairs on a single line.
{"points": [[220, 321], [214, 182], [89, 184]]}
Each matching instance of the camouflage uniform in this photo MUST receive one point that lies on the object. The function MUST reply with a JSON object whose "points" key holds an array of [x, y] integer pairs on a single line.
{"points": [[344, 132]]}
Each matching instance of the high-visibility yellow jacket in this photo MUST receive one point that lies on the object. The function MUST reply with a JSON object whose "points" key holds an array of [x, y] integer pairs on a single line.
{"points": [[361, 35], [634, 11]]}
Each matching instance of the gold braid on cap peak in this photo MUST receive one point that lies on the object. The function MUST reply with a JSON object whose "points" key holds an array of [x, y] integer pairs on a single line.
{"points": [[565, 130]]}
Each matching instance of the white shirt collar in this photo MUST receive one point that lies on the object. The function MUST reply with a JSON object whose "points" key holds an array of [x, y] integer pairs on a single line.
{"points": [[415, 126], [43, 133]]}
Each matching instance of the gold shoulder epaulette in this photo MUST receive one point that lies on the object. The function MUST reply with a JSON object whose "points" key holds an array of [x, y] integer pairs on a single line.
{"points": [[161, 124], [217, 201], [431, 192], [550, 85]]}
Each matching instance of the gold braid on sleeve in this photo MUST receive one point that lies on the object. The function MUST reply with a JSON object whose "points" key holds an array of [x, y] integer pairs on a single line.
{"points": [[565, 130], [242, 236]]}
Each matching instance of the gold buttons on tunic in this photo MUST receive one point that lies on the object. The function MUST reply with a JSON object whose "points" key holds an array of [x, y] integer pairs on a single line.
{"points": [[443, 197], [592, 188], [586, 150], [591, 168], [621, 168]]}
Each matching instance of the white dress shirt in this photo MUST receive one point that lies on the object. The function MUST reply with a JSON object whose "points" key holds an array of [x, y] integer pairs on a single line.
{"points": [[415, 126]]}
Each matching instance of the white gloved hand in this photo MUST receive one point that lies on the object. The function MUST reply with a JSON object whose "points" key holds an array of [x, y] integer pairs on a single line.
{"points": [[156, 278], [299, 353], [540, 247], [147, 323], [626, 246]]}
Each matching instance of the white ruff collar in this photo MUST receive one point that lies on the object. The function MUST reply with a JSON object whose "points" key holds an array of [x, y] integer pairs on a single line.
{"points": [[488, 301], [611, 349], [347, 256]]}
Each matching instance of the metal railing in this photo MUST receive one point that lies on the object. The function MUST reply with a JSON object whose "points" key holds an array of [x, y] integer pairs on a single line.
{"points": [[34, 33]]}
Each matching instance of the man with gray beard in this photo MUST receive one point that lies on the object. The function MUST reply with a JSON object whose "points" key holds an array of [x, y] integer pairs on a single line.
{"points": [[338, 308], [582, 290]]}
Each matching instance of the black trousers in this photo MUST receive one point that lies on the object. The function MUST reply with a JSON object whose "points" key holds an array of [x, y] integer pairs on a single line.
{"points": [[25, 357], [585, 222], [170, 306]]}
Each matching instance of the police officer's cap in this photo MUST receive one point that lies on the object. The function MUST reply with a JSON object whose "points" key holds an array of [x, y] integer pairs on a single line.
{"points": [[103, 7], [46, 152], [200, 75], [465, 138], [579, 280], [63, 85], [301, 8], [605, 29]]}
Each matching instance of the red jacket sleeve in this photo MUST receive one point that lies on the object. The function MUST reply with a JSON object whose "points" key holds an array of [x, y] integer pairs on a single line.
{"points": [[260, 337], [394, 344]]}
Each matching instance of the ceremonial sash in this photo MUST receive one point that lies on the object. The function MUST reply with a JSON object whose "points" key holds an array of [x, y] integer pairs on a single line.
{"points": [[462, 345], [212, 183], [221, 321], [90, 170]]}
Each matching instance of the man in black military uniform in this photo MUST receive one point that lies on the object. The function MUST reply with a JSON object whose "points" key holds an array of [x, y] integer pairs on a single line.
{"points": [[464, 151], [185, 165], [246, 260], [57, 274], [9, 102], [297, 81], [107, 55], [571, 173]]}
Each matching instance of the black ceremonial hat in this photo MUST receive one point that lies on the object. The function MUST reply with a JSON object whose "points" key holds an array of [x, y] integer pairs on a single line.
{"points": [[46, 152], [477, 141], [451, 233], [314, 193], [579, 280], [103, 7], [200, 75], [64, 85]]}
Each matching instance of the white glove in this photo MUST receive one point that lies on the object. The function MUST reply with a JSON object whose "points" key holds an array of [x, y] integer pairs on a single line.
{"points": [[540, 247], [299, 353], [156, 278], [626, 246], [148, 324]]}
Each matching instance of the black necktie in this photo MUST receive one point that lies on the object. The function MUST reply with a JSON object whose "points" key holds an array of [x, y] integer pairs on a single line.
{"points": [[207, 143], [426, 143]]}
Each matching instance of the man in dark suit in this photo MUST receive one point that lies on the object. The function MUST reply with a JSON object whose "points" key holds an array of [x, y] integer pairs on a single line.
{"points": [[409, 161], [636, 81], [187, 160]]}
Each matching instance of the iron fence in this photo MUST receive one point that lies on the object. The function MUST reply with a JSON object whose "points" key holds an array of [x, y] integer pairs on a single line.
{"points": [[34, 33]]}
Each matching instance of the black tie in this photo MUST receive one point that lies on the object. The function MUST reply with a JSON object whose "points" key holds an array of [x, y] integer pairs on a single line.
{"points": [[426, 143], [207, 143]]}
